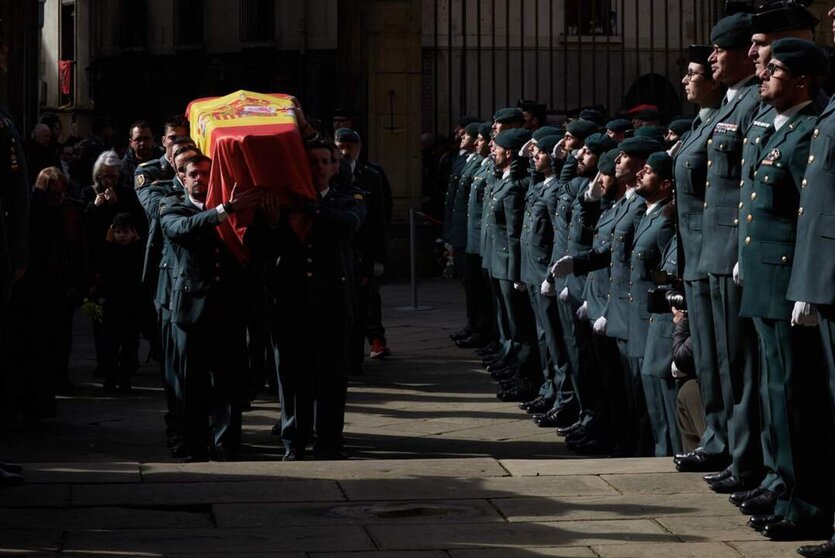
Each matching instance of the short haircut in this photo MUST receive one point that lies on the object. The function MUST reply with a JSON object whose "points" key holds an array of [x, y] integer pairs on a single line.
{"points": [[176, 121], [321, 144], [138, 124], [183, 140], [184, 149], [196, 159]]}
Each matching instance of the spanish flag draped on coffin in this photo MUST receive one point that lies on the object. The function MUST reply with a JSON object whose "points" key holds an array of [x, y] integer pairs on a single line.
{"points": [[253, 141]]}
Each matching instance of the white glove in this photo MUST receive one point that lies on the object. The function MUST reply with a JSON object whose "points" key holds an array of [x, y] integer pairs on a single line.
{"points": [[564, 295], [583, 312], [526, 149], [804, 314], [519, 287], [677, 374], [563, 267], [378, 269], [547, 289], [448, 247], [595, 190], [599, 326], [737, 280]]}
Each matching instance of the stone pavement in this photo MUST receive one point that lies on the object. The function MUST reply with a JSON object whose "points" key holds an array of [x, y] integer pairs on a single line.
{"points": [[439, 468]]}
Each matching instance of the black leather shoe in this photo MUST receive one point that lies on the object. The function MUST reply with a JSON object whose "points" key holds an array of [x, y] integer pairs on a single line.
{"points": [[517, 393], [592, 447], [825, 550], [293, 455], [732, 484], [276, 429], [787, 530], [503, 373], [461, 334], [760, 505], [498, 365], [577, 435], [738, 497], [471, 342], [721, 475], [567, 430], [698, 462], [490, 349], [525, 405], [758, 522], [542, 406]]}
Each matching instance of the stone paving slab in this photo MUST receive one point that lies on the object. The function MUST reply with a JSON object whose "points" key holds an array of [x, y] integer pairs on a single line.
{"points": [[563, 552], [467, 489], [666, 550], [221, 541], [43, 473], [28, 541], [366, 513], [659, 483], [613, 507], [405, 554], [185, 494], [380, 469], [623, 466], [517, 535], [102, 518], [35, 495], [730, 528], [769, 549]]}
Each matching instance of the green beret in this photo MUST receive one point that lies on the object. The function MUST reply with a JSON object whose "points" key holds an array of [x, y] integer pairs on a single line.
{"points": [[600, 143], [698, 54], [680, 126], [485, 130], [346, 135], [546, 131], [662, 164], [581, 129], [593, 115], [649, 114], [465, 121], [783, 19], [508, 115], [548, 143], [640, 146], [800, 57], [513, 139], [654, 132], [606, 162], [732, 32], [620, 125], [472, 129]]}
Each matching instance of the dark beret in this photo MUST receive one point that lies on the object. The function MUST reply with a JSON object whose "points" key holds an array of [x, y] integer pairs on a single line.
{"points": [[640, 146], [619, 125], [800, 57], [680, 125], [581, 129], [698, 54], [485, 130], [472, 129], [546, 131], [465, 121], [649, 114], [548, 143], [654, 132], [532, 106], [600, 143], [507, 115], [593, 115], [662, 164], [606, 162], [513, 139], [346, 135], [783, 19], [732, 32], [124, 220]]}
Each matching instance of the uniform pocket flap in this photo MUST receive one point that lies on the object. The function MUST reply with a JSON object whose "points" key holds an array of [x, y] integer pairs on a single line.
{"points": [[826, 225], [776, 253], [727, 216]]}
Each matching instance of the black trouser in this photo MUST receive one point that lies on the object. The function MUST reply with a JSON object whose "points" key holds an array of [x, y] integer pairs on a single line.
{"points": [[613, 390], [374, 312], [522, 330], [120, 342], [480, 316]]}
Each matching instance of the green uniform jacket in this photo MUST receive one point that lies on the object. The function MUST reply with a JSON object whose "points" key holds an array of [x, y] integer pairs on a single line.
{"points": [[813, 271], [617, 311], [14, 198], [652, 234], [658, 355], [596, 292], [452, 189], [751, 145], [774, 208], [690, 175], [584, 217], [566, 195], [458, 230], [159, 263], [505, 214], [490, 183], [720, 234], [475, 206], [537, 233]]}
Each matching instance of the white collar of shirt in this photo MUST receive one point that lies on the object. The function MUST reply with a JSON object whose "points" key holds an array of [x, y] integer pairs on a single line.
{"points": [[548, 181], [785, 116], [506, 173], [486, 161], [704, 113], [733, 91], [353, 165], [650, 207], [200, 205], [324, 193], [462, 152], [471, 156], [630, 193]]}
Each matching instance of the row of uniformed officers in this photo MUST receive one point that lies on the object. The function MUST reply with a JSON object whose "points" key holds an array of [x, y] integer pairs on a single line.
{"points": [[575, 249]]}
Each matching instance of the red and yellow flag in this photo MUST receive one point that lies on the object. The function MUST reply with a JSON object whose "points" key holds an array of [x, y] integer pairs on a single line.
{"points": [[254, 142]]}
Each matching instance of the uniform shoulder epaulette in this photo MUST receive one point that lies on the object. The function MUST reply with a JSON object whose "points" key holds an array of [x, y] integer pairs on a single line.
{"points": [[169, 202], [152, 162]]}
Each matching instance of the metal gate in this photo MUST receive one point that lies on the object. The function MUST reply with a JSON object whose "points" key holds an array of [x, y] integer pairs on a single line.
{"points": [[479, 55]]}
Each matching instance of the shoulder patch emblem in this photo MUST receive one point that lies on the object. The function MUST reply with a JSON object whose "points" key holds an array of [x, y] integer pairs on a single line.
{"points": [[139, 180]]}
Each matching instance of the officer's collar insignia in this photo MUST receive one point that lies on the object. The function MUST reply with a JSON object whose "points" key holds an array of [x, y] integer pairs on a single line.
{"points": [[774, 154], [140, 180]]}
